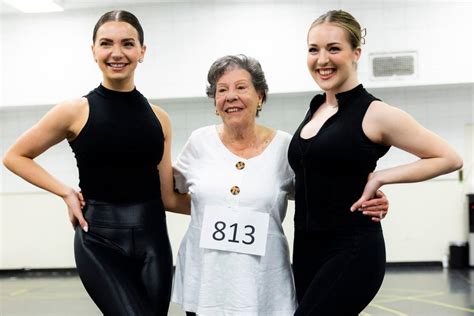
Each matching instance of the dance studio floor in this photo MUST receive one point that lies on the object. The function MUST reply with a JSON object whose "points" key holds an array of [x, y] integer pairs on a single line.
{"points": [[406, 291]]}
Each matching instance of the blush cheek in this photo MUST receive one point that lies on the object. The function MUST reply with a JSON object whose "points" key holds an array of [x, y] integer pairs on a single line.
{"points": [[219, 103]]}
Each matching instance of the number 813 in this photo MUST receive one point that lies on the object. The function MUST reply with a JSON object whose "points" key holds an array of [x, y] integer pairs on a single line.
{"points": [[219, 233]]}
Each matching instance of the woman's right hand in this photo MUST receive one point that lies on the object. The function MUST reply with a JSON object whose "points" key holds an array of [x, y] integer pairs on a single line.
{"points": [[75, 202]]}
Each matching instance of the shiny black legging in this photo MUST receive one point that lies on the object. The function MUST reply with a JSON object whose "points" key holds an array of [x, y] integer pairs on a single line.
{"points": [[337, 272], [125, 260]]}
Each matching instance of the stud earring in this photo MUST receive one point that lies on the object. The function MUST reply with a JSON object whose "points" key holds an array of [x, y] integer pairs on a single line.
{"points": [[140, 60]]}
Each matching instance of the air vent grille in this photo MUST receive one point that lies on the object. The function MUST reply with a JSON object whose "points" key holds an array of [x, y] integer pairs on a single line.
{"points": [[393, 65]]}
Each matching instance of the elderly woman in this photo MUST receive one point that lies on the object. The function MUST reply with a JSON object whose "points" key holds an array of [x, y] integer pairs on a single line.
{"points": [[234, 258]]}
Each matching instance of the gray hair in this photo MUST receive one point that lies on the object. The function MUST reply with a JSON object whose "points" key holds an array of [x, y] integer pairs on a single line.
{"points": [[229, 62]]}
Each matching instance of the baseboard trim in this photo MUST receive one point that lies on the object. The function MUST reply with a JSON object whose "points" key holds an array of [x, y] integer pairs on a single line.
{"points": [[416, 264], [27, 273], [65, 272]]}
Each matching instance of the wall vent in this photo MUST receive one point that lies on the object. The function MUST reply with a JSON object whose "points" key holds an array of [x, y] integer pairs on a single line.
{"points": [[385, 66]]}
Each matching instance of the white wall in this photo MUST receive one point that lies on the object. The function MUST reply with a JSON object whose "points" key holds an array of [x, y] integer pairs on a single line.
{"points": [[423, 217], [46, 58]]}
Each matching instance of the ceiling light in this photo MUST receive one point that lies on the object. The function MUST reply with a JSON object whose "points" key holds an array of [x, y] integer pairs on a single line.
{"points": [[34, 6]]}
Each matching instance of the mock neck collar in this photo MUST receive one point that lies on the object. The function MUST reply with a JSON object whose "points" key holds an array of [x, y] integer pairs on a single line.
{"points": [[116, 94], [341, 97]]}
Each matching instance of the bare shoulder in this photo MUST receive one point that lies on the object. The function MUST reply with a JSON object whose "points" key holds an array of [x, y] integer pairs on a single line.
{"points": [[159, 112], [380, 119], [71, 108], [383, 122], [67, 112], [383, 113], [71, 115], [378, 107], [163, 117]]}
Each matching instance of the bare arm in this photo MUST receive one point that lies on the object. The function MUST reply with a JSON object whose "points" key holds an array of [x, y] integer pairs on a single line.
{"points": [[54, 127], [388, 125], [173, 201]]}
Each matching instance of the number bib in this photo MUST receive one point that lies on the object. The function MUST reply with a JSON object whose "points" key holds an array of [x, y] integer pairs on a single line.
{"points": [[243, 231]]}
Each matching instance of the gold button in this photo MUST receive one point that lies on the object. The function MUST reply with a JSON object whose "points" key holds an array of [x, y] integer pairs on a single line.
{"points": [[240, 165], [235, 190]]}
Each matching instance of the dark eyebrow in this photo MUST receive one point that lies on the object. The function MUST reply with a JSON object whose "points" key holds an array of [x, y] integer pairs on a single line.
{"points": [[131, 39]]}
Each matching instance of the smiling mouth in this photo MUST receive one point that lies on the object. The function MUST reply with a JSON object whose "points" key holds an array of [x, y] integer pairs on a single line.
{"points": [[117, 66], [233, 110], [326, 72]]}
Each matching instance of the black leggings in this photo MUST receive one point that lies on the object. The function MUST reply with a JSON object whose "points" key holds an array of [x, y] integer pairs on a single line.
{"points": [[337, 272], [125, 260]]}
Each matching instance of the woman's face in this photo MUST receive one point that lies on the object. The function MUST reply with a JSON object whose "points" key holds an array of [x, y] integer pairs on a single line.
{"points": [[236, 99], [331, 59], [117, 50]]}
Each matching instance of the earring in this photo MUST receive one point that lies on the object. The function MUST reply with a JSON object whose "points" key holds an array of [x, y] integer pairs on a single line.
{"points": [[140, 60], [217, 113], [259, 106]]}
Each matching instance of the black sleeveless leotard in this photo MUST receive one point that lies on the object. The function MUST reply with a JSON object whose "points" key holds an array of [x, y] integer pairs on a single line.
{"points": [[338, 256], [124, 260]]}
